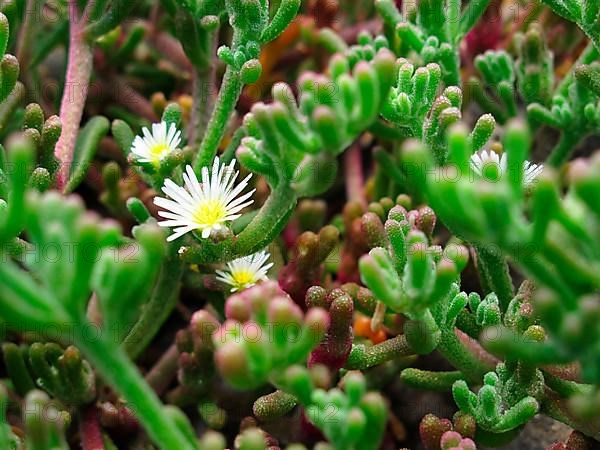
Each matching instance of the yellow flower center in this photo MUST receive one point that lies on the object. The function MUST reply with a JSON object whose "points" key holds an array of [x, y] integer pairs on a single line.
{"points": [[157, 150], [210, 212], [242, 278]]}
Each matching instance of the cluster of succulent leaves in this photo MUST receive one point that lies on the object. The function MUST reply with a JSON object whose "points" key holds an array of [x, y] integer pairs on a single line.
{"points": [[83, 297]]}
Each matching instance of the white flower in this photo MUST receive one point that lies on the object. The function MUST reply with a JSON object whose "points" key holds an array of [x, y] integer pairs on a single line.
{"points": [[244, 272], [481, 162], [156, 145], [205, 206]]}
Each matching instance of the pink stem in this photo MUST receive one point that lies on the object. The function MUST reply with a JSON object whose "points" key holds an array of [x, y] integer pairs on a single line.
{"points": [[163, 372], [171, 49], [355, 184], [91, 436], [79, 70], [476, 349], [128, 97]]}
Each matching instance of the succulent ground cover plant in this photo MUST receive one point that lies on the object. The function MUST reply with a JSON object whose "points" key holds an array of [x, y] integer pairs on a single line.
{"points": [[324, 224]]}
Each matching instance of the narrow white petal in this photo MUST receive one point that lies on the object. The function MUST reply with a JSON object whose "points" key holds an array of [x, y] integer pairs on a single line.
{"points": [[207, 205]]}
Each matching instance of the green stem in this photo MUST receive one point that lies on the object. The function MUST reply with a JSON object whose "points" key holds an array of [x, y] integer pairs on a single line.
{"points": [[429, 380], [592, 31], [274, 405], [497, 275], [230, 91], [204, 73], [17, 370], [575, 270], [202, 105], [473, 11], [540, 271], [566, 388], [26, 36], [158, 308], [118, 11], [508, 98], [595, 38], [557, 408], [561, 152], [118, 371], [387, 164], [389, 12], [589, 55], [386, 131], [332, 41], [471, 363], [453, 67], [10, 104], [362, 357], [477, 92], [229, 152], [268, 222], [453, 20]]}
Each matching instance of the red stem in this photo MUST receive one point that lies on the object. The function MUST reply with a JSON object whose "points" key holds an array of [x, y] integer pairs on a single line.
{"points": [[79, 69], [91, 436], [355, 184], [163, 372]]}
